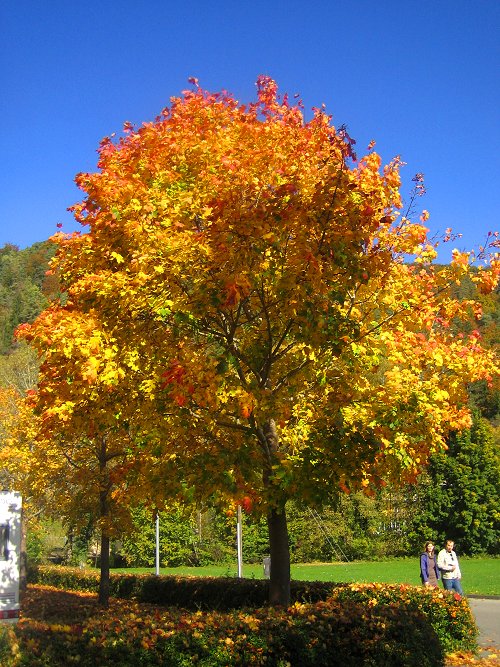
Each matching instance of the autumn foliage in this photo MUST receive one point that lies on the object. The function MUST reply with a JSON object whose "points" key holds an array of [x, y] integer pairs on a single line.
{"points": [[254, 300], [361, 624]]}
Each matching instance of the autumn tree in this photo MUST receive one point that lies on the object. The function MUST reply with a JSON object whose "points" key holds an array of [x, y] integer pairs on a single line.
{"points": [[17, 426], [12, 452], [293, 334], [83, 432]]}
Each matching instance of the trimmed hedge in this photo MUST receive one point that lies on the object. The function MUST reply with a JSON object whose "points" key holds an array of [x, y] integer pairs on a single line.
{"points": [[334, 633], [448, 614], [210, 593]]}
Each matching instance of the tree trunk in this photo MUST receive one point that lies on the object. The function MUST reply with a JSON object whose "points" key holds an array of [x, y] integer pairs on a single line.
{"points": [[104, 517], [279, 584], [104, 578], [23, 562]]}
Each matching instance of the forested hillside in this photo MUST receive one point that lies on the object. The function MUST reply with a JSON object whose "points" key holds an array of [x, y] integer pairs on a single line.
{"points": [[24, 287]]}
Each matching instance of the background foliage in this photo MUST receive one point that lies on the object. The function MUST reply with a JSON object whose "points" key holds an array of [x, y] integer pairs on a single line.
{"points": [[24, 287]]}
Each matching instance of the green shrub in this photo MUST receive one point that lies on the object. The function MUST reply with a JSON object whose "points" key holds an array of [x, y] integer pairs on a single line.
{"points": [[210, 593], [35, 550], [187, 537], [176, 538]]}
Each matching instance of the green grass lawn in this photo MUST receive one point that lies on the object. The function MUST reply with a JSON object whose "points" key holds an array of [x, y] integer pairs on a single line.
{"points": [[480, 576]]}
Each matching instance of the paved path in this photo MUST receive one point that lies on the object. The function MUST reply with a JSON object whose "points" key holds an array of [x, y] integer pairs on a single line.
{"points": [[487, 614]]}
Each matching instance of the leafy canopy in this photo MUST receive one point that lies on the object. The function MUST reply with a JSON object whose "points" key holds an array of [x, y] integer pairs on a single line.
{"points": [[278, 317]]}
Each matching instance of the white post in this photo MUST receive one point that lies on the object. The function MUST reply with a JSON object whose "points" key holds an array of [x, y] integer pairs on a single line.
{"points": [[239, 544], [10, 555], [157, 543]]}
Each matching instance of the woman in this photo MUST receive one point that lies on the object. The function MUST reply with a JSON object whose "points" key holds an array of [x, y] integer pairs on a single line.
{"points": [[429, 571]]}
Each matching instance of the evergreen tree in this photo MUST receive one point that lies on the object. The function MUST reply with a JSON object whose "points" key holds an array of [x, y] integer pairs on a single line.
{"points": [[461, 494]]}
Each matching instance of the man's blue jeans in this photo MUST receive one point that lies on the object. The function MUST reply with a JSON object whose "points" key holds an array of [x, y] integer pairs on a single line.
{"points": [[453, 585]]}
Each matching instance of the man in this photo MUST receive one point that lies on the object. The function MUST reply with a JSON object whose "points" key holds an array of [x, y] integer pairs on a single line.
{"points": [[447, 562]]}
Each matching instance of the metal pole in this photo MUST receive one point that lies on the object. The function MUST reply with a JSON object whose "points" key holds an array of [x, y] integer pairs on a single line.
{"points": [[239, 544], [157, 543]]}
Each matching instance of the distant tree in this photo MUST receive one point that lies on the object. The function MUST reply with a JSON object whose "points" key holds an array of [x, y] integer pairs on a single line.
{"points": [[82, 430], [459, 497], [484, 396], [177, 537], [19, 368]]}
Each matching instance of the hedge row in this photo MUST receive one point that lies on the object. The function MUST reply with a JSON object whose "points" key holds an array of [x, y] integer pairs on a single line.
{"points": [[305, 635], [448, 614], [209, 593]]}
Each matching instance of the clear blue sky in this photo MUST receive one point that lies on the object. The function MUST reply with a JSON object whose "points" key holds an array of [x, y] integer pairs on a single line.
{"points": [[421, 78]]}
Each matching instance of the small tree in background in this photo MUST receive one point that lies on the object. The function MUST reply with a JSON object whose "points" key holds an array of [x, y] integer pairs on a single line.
{"points": [[82, 426], [177, 538]]}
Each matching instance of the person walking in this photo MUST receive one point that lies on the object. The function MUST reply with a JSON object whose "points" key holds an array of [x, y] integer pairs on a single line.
{"points": [[429, 571], [447, 562]]}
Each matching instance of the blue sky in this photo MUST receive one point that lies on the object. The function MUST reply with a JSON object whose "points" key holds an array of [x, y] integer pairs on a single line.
{"points": [[419, 78]]}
